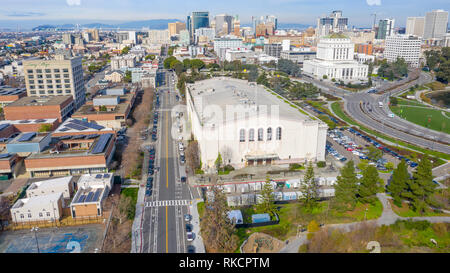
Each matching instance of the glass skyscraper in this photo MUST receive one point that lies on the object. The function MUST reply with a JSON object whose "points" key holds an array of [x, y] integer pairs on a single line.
{"points": [[198, 19]]}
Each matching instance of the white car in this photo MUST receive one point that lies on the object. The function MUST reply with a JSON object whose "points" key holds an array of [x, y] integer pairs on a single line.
{"points": [[190, 236], [180, 146]]}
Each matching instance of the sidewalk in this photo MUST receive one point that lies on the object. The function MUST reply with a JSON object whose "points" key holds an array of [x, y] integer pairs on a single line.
{"points": [[198, 241], [136, 229]]}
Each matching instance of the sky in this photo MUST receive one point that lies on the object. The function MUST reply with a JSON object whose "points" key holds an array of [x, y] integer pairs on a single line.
{"points": [[34, 12]]}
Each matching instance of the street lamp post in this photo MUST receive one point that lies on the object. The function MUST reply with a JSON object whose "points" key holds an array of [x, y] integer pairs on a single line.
{"points": [[365, 214], [35, 237]]}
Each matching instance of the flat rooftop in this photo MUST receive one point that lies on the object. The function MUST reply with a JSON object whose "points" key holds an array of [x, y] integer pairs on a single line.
{"points": [[88, 195], [71, 125], [51, 183], [40, 101], [30, 137], [11, 91], [36, 201], [226, 91]]}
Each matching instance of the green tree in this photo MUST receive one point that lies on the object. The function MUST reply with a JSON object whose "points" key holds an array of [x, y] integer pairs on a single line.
{"points": [[346, 187], [217, 229], [125, 50], [187, 63], [127, 77], [393, 101], [399, 182], [218, 163], [390, 166], [421, 187], [267, 199], [309, 188], [168, 61], [363, 163], [197, 64], [369, 185], [151, 57], [374, 153]]}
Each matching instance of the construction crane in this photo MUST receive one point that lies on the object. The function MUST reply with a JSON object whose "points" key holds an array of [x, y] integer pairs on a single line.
{"points": [[374, 20]]}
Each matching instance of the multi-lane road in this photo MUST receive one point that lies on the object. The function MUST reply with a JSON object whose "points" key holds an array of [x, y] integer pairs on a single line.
{"points": [[164, 226], [364, 108]]}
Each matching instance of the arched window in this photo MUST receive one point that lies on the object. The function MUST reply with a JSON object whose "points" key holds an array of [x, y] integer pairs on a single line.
{"points": [[251, 135], [260, 134], [279, 133], [242, 135], [269, 133]]}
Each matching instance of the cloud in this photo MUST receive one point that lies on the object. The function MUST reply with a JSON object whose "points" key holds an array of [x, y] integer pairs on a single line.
{"points": [[24, 14], [73, 2], [373, 2]]}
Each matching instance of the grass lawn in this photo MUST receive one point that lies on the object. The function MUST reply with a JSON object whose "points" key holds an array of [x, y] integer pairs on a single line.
{"points": [[340, 113], [406, 211], [421, 116], [409, 102], [131, 192], [293, 214]]}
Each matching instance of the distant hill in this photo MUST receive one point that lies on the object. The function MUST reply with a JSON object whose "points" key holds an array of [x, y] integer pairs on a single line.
{"points": [[152, 24]]}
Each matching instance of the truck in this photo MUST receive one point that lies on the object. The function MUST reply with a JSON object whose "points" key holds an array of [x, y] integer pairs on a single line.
{"points": [[380, 104]]}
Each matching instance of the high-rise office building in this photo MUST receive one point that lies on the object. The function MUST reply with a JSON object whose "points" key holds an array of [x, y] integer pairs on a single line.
{"points": [[175, 28], [333, 23], [122, 36], [132, 36], [224, 24], [94, 34], [58, 77], [197, 19], [236, 26], [67, 39], [269, 22], [403, 46], [435, 24], [415, 26], [385, 28]]}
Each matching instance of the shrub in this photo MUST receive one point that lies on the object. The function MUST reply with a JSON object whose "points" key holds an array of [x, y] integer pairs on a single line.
{"points": [[321, 164], [228, 168], [294, 166]]}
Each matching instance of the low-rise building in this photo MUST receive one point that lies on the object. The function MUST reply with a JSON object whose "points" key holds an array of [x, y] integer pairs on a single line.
{"points": [[110, 111], [10, 94], [91, 194], [38, 208], [59, 107], [114, 76], [9, 165], [297, 56], [62, 185]]}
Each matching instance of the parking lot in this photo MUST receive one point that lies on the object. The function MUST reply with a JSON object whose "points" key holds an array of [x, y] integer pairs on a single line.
{"points": [[82, 239], [348, 144]]}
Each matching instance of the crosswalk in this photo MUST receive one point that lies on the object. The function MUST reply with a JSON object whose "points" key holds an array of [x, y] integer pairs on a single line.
{"points": [[168, 203]]}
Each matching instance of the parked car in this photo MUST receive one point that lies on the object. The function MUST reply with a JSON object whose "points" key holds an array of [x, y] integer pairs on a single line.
{"points": [[188, 228], [190, 249], [190, 236], [148, 192], [187, 217]]}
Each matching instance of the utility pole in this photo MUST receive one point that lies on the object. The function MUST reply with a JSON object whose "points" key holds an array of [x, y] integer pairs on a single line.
{"points": [[35, 237]]}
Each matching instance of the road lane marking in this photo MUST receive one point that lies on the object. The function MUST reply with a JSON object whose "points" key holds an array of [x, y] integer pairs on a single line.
{"points": [[167, 151], [167, 233]]}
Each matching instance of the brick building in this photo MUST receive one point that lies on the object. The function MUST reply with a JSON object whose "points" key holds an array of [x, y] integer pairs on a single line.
{"points": [[9, 94], [59, 107]]}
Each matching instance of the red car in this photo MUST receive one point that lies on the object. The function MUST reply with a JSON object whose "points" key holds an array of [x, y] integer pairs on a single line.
{"points": [[349, 149]]}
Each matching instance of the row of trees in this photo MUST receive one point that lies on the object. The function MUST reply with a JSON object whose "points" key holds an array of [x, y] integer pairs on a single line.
{"points": [[439, 61], [395, 70], [282, 85], [417, 189], [349, 189]]}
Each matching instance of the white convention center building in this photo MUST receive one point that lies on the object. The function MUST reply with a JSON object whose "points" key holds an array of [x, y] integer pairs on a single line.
{"points": [[249, 125]]}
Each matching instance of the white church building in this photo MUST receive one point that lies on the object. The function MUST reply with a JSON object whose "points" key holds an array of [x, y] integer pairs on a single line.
{"points": [[335, 59], [249, 125]]}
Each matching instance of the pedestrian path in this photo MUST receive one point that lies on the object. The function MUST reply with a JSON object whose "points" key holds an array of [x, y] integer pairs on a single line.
{"points": [[168, 203]]}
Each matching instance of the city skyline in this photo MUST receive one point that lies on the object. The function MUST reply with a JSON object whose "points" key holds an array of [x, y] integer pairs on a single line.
{"points": [[24, 14]]}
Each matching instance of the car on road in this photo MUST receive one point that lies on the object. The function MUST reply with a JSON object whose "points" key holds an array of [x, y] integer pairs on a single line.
{"points": [[190, 249], [148, 192], [190, 236], [151, 171], [187, 217], [180, 146], [188, 228], [182, 160]]}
